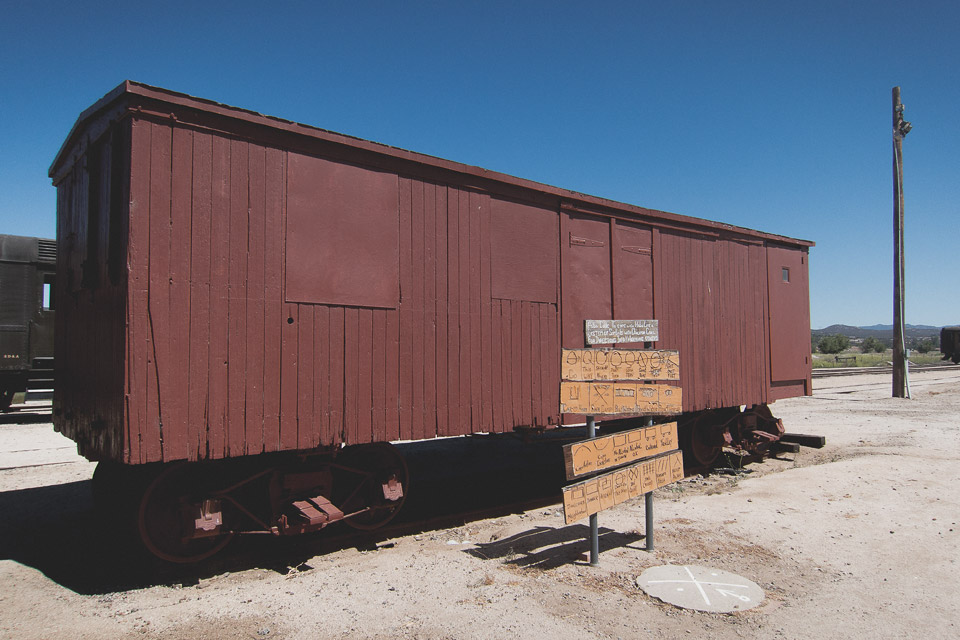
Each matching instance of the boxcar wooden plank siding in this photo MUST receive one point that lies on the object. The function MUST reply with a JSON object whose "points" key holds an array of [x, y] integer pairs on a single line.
{"points": [[450, 321]]}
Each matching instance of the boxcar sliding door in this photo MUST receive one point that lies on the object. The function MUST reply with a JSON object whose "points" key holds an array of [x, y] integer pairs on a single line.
{"points": [[607, 273]]}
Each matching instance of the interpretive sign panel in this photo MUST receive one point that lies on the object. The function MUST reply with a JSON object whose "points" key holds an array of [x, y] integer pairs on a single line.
{"points": [[619, 364], [604, 491], [619, 398], [607, 452], [619, 331]]}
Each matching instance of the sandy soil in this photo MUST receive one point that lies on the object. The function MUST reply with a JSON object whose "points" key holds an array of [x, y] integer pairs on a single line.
{"points": [[860, 539]]}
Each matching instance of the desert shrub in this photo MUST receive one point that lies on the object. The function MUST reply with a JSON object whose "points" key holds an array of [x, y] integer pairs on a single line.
{"points": [[833, 344]]}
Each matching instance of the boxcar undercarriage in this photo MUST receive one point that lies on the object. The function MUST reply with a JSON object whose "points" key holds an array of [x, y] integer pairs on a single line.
{"points": [[185, 512]]}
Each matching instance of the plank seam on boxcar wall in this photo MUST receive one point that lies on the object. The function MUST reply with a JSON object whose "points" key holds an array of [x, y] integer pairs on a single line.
{"points": [[181, 214], [486, 355], [441, 310], [365, 375], [762, 260], [453, 318], [139, 200], [255, 300], [465, 364], [405, 397], [155, 253], [418, 205], [278, 215], [429, 427], [237, 302]]}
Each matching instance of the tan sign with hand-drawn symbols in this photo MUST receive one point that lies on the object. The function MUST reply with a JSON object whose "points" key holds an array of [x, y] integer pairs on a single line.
{"points": [[604, 491], [607, 452], [619, 364], [619, 398]]}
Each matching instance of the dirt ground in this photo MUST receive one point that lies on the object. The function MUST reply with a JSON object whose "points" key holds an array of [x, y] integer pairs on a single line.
{"points": [[860, 539]]}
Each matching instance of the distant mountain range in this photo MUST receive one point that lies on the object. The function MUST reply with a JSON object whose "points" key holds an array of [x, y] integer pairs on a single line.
{"points": [[889, 327], [880, 331]]}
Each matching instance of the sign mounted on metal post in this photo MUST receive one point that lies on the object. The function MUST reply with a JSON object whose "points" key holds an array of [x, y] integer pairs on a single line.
{"points": [[619, 398], [619, 364], [610, 489], [618, 382], [620, 331], [607, 452]]}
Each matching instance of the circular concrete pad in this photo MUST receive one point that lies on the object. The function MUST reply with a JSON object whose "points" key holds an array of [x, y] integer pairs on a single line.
{"points": [[700, 588]]}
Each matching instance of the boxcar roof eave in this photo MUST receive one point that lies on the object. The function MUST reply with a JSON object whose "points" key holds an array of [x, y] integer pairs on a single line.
{"points": [[568, 197]]}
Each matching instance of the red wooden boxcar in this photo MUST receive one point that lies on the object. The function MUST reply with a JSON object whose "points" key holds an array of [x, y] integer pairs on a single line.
{"points": [[232, 284]]}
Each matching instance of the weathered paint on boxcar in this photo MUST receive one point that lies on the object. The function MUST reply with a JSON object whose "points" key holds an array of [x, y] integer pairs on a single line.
{"points": [[270, 286]]}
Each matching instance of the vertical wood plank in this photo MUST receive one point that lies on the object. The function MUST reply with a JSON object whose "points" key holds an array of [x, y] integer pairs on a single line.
{"points": [[158, 296], [466, 294], [392, 376], [378, 409], [453, 311], [138, 282], [289, 377], [416, 310], [237, 300], [175, 389], [219, 282], [536, 364], [351, 375], [337, 364], [365, 376], [273, 318], [406, 312], [486, 330], [529, 361], [256, 305], [507, 360], [554, 388], [321, 375], [543, 410], [476, 351], [307, 436], [442, 310], [520, 385], [496, 366], [429, 425], [200, 252]]}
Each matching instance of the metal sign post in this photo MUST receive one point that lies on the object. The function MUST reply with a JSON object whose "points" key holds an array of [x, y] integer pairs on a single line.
{"points": [[648, 497], [648, 505], [594, 521]]}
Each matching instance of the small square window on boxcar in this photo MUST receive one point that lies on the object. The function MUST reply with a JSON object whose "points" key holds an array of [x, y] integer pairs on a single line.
{"points": [[785, 271]]}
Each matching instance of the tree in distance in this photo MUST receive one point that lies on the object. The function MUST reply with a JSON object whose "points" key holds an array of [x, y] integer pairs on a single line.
{"points": [[926, 345], [833, 344], [872, 344]]}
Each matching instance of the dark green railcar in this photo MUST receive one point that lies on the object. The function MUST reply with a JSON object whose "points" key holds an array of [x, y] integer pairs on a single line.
{"points": [[27, 269]]}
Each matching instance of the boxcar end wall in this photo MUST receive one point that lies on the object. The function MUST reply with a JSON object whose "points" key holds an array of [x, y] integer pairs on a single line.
{"points": [[232, 284]]}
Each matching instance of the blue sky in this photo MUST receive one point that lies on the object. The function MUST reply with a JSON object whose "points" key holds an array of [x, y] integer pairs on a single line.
{"points": [[770, 115]]}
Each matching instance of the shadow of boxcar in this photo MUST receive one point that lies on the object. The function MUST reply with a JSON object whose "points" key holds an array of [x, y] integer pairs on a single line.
{"points": [[54, 528]]}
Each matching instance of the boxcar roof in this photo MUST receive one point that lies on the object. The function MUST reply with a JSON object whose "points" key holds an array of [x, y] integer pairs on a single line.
{"points": [[132, 94]]}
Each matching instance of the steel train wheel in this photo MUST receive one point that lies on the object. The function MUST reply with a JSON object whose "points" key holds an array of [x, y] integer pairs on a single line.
{"points": [[697, 448], [701, 437], [360, 472], [160, 519]]}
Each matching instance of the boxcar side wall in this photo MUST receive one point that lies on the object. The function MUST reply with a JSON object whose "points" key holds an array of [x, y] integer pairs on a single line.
{"points": [[241, 259], [278, 292]]}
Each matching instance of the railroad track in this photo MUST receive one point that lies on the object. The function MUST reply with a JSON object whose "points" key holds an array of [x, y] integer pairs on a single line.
{"points": [[829, 372]]}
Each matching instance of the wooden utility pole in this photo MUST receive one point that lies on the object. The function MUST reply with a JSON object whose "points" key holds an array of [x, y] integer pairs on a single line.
{"points": [[900, 129]]}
